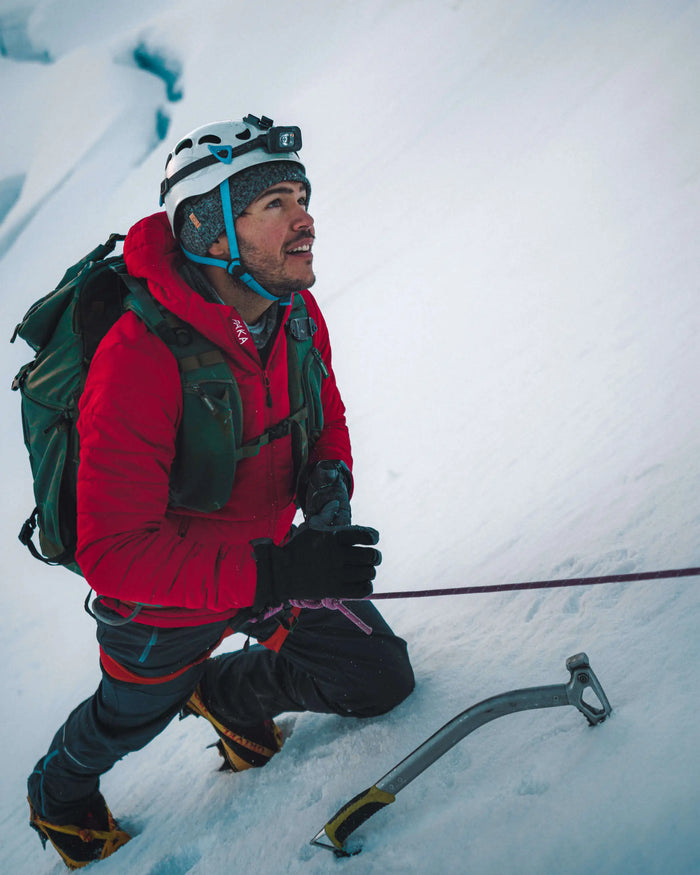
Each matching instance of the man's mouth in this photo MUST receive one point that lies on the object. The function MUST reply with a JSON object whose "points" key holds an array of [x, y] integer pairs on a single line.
{"points": [[301, 248]]}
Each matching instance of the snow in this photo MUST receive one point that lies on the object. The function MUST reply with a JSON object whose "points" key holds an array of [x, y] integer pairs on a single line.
{"points": [[506, 201]]}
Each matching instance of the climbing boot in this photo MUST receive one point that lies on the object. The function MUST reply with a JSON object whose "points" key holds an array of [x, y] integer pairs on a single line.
{"points": [[96, 837], [241, 747]]}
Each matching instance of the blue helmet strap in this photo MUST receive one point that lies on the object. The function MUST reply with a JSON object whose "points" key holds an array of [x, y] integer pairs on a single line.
{"points": [[234, 266]]}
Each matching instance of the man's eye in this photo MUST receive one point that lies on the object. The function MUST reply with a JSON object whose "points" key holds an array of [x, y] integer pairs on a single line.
{"points": [[274, 203]]}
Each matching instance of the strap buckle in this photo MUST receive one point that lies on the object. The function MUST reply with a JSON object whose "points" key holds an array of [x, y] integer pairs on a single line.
{"points": [[302, 328]]}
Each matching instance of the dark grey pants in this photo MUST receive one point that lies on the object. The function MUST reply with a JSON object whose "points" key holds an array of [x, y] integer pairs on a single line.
{"points": [[325, 664]]}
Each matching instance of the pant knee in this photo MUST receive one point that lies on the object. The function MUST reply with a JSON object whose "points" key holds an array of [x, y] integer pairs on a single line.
{"points": [[390, 684]]}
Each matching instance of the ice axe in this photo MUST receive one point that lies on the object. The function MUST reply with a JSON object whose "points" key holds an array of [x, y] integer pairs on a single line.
{"points": [[361, 807]]}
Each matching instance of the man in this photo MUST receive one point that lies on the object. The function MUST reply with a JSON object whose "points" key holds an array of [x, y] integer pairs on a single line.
{"points": [[229, 256]]}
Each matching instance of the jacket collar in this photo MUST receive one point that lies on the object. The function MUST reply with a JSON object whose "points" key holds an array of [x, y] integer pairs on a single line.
{"points": [[152, 253]]}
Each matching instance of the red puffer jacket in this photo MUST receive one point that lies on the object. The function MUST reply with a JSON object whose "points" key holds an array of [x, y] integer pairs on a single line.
{"points": [[186, 567]]}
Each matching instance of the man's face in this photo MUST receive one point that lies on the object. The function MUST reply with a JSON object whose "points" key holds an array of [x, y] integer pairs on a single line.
{"points": [[275, 236]]}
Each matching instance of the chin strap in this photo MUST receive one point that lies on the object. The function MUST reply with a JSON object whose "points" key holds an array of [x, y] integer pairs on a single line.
{"points": [[234, 266]]}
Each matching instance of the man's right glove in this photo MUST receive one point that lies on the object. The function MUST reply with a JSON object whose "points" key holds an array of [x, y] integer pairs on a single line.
{"points": [[326, 499], [316, 565]]}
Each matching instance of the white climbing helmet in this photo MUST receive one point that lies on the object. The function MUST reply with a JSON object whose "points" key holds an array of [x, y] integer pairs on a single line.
{"points": [[208, 155]]}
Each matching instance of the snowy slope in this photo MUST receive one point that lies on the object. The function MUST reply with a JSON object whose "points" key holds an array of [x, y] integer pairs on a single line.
{"points": [[506, 201]]}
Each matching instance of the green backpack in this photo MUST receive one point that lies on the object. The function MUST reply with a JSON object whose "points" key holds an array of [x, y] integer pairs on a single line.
{"points": [[64, 329]]}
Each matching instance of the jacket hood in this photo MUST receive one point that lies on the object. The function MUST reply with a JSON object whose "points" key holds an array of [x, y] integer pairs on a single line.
{"points": [[151, 252]]}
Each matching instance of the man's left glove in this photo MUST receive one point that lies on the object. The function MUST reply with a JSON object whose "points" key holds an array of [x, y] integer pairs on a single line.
{"points": [[326, 502], [315, 565]]}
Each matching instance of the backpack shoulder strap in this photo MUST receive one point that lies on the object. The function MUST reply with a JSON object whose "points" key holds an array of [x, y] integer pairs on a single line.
{"points": [[207, 450], [300, 329], [306, 370]]}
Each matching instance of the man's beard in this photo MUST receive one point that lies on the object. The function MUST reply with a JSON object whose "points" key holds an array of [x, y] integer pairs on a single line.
{"points": [[273, 281]]}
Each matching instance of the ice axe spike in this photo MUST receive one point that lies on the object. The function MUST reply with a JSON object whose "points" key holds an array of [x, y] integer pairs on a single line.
{"points": [[361, 807]]}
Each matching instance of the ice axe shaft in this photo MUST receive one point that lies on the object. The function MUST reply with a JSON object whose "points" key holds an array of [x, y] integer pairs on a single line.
{"points": [[361, 807]]}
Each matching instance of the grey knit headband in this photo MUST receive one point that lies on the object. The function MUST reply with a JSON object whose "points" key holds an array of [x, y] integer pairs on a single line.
{"points": [[200, 220]]}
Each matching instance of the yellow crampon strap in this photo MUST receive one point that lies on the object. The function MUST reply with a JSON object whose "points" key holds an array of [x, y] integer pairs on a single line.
{"points": [[113, 838], [239, 753], [197, 705]]}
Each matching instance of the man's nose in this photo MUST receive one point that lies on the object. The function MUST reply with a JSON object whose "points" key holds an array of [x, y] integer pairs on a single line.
{"points": [[302, 218]]}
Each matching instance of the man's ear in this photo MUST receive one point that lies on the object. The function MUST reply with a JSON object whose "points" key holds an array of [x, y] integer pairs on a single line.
{"points": [[219, 248]]}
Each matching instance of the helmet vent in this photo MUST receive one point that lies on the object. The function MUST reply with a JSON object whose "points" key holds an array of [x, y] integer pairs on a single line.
{"points": [[183, 144], [244, 135], [208, 138]]}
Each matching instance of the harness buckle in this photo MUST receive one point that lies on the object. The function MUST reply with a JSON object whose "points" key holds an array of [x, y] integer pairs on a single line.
{"points": [[282, 429]]}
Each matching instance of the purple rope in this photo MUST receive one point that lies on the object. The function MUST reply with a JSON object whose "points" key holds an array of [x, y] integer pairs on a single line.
{"points": [[333, 605], [329, 604], [539, 584], [339, 605]]}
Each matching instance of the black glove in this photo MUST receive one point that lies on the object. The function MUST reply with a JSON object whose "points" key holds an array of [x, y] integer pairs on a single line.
{"points": [[327, 495], [315, 565]]}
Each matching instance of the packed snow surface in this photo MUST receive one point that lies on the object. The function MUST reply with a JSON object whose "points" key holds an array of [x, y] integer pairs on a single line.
{"points": [[507, 205]]}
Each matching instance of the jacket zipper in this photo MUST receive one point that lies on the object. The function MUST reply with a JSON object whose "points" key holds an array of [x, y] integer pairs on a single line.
{"points": [[276, 343]]}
